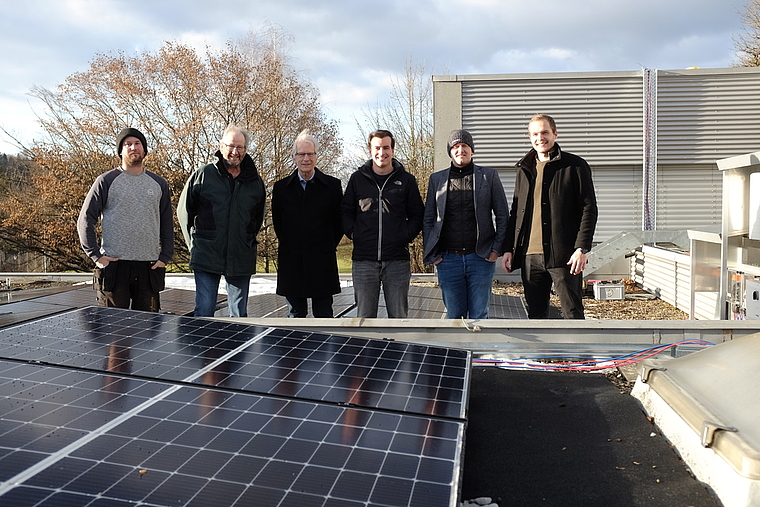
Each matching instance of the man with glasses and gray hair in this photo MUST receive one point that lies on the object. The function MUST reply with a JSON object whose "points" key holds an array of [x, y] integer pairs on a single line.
{"points": [[220, 211], [306, 219]]}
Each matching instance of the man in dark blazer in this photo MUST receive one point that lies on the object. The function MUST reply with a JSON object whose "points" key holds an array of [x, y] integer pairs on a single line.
{"points": [[306, 218], [461, 240]]}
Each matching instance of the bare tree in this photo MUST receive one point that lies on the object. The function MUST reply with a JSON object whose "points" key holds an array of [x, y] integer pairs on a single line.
{"points": [[747, 44], [181, 100], [409, 115]]}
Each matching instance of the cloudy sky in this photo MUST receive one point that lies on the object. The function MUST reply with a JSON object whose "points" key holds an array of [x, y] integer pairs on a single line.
{"points": [[352, 49]]}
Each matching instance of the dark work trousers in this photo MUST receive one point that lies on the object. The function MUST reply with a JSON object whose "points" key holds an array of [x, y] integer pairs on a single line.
{"points": [[129, 284], [537, 282], [321, 307]]}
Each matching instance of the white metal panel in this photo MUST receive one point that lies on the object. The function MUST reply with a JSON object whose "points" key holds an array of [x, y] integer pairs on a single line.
{"points": [[704, 115], [665, 273], [688, 197], [599, 115]]}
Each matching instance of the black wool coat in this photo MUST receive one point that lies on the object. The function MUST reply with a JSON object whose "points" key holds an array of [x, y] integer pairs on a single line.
{"points": [[569, 208], [308, 228]]}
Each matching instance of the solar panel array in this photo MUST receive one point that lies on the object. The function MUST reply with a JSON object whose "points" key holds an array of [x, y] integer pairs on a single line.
{"points": [[108, 407]]}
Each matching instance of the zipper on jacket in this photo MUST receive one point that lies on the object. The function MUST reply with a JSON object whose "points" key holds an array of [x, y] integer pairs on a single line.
{"points": [[380, 217], [233, 192], [475, 207]]}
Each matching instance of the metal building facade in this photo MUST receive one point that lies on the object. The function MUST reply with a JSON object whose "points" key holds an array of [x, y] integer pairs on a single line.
{"points": [[701, 115]]}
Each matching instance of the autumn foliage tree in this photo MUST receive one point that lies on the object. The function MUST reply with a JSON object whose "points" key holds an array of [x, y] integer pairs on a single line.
{"points": [[182, 100]]}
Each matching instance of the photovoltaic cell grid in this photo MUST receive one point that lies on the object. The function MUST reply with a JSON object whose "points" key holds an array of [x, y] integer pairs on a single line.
{"points": [[22, 306], [427, 303], [76, 438], [424, 303], [338, 369], [94, 427], [275, 306], [507, 307]]}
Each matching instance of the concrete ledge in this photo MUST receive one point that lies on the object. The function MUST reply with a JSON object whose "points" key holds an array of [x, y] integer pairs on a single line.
{"points": [[457, 333]]}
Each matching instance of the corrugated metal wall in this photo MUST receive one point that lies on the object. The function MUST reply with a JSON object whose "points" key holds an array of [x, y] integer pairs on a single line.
{"points": [[598, 115], [707, 115], [702, 116], [689, 197]]}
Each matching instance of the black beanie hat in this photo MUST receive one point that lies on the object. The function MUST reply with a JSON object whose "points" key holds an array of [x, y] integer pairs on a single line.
{"points": [[130, 132], [460, 136]]}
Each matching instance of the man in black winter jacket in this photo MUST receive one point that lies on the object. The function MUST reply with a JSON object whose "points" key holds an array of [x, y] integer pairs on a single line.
{"points": [[382, 213], [551, 223]]}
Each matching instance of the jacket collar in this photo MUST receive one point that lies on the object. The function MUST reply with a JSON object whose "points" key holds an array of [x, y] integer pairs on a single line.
{"points": [[293, 177], [529, 160], [248, 170], [366, 169]]}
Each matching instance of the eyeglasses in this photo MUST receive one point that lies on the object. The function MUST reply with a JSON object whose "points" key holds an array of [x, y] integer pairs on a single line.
{"points": [[306, 154], [233, 147]]}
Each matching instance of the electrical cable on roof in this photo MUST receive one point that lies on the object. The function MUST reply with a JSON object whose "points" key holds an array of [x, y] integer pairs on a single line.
{"points": [[474, 328], [582, 364]]}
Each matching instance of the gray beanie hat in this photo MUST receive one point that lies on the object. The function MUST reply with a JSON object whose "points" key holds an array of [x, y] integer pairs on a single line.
{"points": [[460, 136], [130, 132]]}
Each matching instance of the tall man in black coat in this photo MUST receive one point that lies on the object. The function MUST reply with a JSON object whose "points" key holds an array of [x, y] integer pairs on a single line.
{"points": [[551, 223], [306, 218]]}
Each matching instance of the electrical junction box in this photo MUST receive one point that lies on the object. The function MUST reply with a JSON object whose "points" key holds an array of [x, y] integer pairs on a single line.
{"points": [[752, 300], [605, 291]]}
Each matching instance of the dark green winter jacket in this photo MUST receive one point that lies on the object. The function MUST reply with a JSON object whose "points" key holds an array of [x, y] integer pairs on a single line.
{"points": [[220, 217]]}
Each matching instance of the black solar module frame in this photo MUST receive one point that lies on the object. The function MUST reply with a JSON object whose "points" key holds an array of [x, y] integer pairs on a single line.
{"points": [[99, 429]]}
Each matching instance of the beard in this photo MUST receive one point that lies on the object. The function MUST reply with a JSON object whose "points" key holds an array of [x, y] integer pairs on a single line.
{"points": [[134, 159], [235, 162]]}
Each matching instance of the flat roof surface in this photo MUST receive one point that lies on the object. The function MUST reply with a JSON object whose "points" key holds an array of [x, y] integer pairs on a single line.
{"points": [[532, 438], [565, 439]]}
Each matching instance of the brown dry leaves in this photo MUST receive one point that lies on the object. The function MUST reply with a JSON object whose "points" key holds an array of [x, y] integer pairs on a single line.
{"points": [[626, 309]]}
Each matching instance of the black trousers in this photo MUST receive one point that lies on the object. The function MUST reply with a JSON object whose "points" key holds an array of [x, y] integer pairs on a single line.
{"points": [[129, 284], [321, 307], [537, 282]]}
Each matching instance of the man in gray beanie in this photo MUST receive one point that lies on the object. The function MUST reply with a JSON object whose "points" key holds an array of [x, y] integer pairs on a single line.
{"points": [[458, 230], [137, 238]]}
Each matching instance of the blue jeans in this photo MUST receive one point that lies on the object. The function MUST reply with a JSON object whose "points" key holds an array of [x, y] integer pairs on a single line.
{"points": [[207, 289], [465, 282], [393, 275]]}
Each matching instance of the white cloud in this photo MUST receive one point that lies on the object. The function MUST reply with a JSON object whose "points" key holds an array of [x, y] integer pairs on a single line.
{"points": [[353, 50]]}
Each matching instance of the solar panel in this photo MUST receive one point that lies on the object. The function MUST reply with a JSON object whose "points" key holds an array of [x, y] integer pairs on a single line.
{"points": [[427, 303], [507, 307], [80, 438], [276, 306], [140, 407], [424, 303], [77, 297], [13, 313], [370, 373]]}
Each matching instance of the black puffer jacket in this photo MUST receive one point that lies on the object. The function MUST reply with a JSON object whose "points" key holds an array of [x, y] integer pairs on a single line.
{"points": [[382, 233]]}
